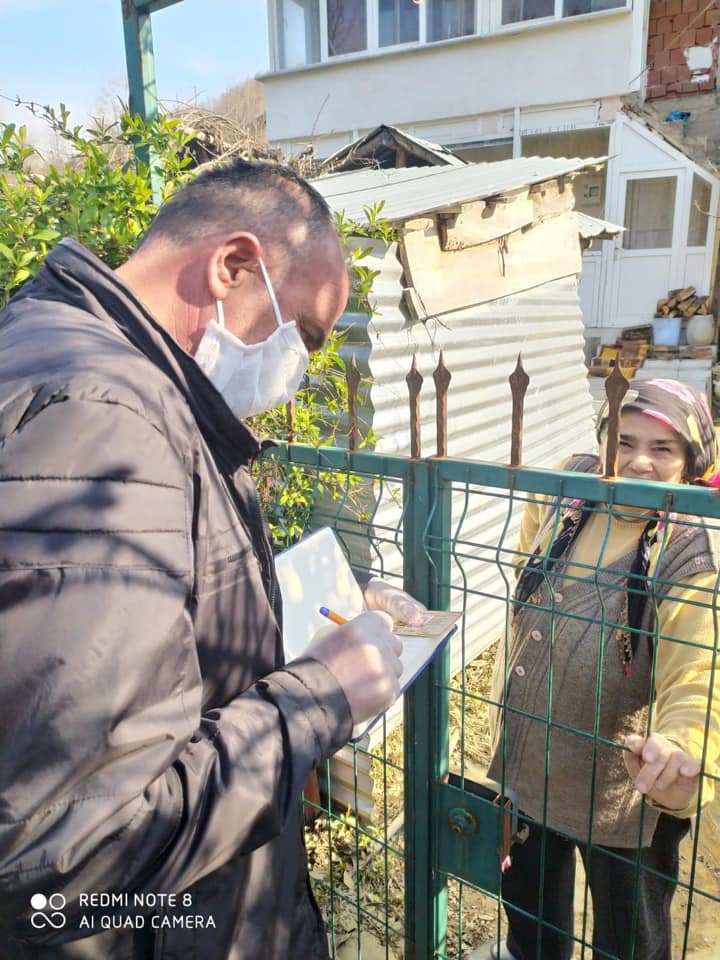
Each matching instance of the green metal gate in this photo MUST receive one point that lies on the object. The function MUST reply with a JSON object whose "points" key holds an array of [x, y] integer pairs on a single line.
{"points": [[421, 878]]}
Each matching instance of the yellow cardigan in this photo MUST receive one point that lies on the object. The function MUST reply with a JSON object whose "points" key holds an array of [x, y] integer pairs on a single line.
{"points": [[684, 675]]}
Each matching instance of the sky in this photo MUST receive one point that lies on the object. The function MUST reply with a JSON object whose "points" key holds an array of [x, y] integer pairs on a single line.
{"points": [[72, 51]]}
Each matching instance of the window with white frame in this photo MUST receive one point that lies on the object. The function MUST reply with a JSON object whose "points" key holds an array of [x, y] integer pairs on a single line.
{"points": [[398, 22], [313, 31], [450, 18], [575, 8], [346, 26], [298, 33], [515, 11], [649, 213], [699, 212], [518, 11]]}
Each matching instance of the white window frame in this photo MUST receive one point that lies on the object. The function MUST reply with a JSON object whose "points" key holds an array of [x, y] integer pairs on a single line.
{"points": [[371, 18], [488, 23], [480, 5], [711, 217], [498, 27], [275, 44]]}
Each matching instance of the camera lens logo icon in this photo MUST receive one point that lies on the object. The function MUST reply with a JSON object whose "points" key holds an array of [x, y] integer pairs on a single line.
{"points": [[48, 911]]}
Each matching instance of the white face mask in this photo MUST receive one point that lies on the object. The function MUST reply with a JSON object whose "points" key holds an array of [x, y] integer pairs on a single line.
{"points": [[253, 377]]}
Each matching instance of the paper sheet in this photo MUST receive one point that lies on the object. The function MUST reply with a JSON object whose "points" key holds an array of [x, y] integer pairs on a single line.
{"points": [[315, 573]]}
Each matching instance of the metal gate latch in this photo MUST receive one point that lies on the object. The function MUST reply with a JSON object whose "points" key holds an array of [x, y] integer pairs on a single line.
{"points": [[473, 823]]}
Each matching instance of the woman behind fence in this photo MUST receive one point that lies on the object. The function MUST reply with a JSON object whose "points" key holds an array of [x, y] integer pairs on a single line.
{"points": [[630, 717]]}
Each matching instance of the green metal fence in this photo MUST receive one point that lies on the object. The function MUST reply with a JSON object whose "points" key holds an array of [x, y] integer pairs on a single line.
{"points": [[421, 876]]}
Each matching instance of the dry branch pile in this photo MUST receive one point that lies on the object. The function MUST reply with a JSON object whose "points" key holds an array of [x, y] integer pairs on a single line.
{"points": [[217, 137]]}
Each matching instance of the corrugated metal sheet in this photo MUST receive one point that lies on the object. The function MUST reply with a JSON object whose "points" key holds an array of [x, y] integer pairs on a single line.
{"points": [[447, 155], [413, 191], [480, 347], [593, 228], [351, 782]]}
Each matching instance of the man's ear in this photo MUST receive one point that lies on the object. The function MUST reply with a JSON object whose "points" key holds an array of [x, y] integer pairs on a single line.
{"points": [[231, 261]]}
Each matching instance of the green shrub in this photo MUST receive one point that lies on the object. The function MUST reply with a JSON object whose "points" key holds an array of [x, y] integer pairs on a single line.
{"points": [[100, 195]]}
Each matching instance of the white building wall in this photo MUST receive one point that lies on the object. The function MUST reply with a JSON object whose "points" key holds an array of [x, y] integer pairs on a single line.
{"points": [[565, 62]]}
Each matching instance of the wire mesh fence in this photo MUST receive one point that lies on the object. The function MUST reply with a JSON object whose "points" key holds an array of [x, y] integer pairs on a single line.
{"points": [[354, 828], [563, 700], [413, 852]]}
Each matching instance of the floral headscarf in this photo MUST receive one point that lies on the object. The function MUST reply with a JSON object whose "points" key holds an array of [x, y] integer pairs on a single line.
{"points": [[685, 410]]}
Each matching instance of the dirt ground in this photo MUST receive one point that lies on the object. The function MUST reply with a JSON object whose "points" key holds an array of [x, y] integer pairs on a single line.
{"points": [[361, 870]]}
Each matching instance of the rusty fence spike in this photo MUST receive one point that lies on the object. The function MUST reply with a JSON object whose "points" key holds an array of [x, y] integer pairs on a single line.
{"points": [[352, 377], [519, 381], [290, 419], [442, 378], [615, 389], [414, 380]]}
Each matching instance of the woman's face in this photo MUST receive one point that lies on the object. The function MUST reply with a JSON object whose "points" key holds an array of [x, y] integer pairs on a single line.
{"points": [[649, 449]]}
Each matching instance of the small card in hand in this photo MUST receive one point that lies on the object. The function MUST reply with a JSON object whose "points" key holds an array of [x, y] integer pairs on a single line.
{"points": [[435, 624]]}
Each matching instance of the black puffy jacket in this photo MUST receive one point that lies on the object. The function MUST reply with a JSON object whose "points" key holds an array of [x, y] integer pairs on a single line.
{"points": [[153, 747]]}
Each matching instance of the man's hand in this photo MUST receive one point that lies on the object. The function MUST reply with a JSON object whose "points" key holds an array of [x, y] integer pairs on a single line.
{"points": [[662, 771], [363, 657], [380, 595]]}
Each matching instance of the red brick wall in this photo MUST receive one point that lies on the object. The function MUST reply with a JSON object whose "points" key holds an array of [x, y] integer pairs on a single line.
{"points": [[674, 26]]}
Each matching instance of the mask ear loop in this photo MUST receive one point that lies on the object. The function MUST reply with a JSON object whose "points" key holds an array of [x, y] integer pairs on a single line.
{"points": [[271, 293], [220, 313]]}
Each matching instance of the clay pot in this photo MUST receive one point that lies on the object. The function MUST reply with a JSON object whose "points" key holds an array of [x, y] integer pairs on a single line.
{"points": [[700, 330]]}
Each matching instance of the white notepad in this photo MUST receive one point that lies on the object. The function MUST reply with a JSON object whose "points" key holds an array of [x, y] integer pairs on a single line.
{"points": [[315, 573]]}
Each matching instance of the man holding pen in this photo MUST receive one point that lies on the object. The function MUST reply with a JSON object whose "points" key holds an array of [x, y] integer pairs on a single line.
{"points": [[153, 740]]}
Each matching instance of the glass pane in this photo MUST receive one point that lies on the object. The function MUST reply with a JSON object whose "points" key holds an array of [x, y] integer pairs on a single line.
{"points": [[649, 213], [399, 22], [514, 11], [699, 209], [589, 188], [347, 26], [565, 143], [450, 18], [299, 33], [573, 8], [487, 152]]}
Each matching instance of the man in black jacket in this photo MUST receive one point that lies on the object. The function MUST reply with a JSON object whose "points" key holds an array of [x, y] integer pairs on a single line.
{"points": [[153, 743]]}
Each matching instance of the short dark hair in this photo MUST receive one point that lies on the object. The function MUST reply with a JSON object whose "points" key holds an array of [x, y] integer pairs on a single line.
{"points": [[265, 198]]}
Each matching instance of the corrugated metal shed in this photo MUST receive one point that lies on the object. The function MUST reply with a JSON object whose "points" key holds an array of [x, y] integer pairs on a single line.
{"points": [[414, 191], [480, 344], [480, 347]]}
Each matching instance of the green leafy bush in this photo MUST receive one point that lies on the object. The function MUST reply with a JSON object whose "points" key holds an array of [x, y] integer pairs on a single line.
{"points": [[96, 195], [99, 194]]}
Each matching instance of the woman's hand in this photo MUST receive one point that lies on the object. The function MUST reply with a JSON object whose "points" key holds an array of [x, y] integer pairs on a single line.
{"points": [[662, 771]]}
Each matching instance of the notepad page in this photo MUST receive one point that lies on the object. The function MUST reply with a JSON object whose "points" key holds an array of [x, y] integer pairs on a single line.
{"points": [[314, 573]]}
